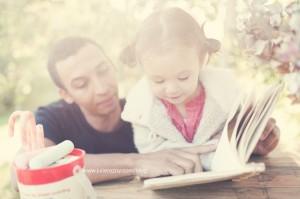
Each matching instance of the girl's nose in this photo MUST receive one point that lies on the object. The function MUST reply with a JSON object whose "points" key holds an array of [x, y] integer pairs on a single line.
{"points": [[171, 89]]}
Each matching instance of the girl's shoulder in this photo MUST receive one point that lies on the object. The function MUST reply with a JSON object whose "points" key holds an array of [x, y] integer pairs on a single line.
{"points": [[222, 84], [215, 74], [139, 100]]}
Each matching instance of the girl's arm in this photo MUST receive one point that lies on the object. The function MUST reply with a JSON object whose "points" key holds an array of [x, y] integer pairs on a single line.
{"points": [[147, 141]]}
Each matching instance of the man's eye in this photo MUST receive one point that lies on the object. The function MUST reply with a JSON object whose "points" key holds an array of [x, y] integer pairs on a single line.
{"points": [[80, 84], [183, 78]]}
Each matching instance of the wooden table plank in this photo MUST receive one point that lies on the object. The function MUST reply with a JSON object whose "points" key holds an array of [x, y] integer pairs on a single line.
{"points": [[281, 180]]}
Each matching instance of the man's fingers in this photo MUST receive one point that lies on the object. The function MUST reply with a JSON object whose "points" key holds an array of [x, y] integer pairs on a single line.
{"points": [[31, 130], [24, 135], [40, 136], [22, 159], [12, 121], [269, 128], [27, 128], [271, 139], [276, 131], [267, 145], [201, 149]]}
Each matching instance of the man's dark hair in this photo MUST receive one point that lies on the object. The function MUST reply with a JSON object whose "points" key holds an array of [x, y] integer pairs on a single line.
{"points": [[63, 49]]}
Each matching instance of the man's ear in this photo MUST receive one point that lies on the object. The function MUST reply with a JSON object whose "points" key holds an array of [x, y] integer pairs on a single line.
{"points": [[65, 95]]}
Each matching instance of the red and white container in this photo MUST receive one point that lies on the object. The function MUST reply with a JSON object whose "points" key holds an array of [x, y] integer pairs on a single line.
{"points": [[60, 181]]}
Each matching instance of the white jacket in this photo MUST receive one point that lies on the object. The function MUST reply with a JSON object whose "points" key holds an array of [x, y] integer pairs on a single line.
{"points": [[153, 128]]}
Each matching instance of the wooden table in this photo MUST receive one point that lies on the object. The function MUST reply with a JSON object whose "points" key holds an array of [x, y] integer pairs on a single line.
{"points": [[280, 181]]}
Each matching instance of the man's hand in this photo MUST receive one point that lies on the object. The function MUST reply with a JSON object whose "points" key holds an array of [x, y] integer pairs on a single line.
{"points": [[32, 135], [269, 139], [171, 161]]}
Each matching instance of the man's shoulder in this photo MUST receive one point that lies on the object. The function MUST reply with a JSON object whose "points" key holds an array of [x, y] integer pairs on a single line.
{"points": [[55, 108]]}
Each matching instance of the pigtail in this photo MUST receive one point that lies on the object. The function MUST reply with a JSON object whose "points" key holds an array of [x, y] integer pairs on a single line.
{"points": [[128, 55], [211, 45]]}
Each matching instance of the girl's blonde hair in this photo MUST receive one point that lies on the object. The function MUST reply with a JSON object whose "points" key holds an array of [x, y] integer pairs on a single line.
{"points": [[166, 29]]}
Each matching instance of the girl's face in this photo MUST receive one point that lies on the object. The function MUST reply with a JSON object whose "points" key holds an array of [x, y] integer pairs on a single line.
{"points": [[173, 75]]}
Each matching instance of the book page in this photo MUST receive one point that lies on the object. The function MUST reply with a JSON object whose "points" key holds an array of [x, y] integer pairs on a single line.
{"points": [[245, 124], [244, 117], [226, 157], [201, 177], [256, 125], [263, 119]]}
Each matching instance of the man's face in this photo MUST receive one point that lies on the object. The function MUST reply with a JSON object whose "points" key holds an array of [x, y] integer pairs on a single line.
{"points": [[89, 80]]}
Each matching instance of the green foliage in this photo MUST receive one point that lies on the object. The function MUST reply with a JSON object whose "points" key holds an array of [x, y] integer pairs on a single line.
{"points": [[6, 190], [29, 28]]}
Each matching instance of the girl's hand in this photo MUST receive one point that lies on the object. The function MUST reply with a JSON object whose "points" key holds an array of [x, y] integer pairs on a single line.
{"points": [[32, 135], [171, 161], [269, 139]]}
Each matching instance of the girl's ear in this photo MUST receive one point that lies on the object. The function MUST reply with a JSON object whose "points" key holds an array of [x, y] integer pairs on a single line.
{"points": [[66, 96]]}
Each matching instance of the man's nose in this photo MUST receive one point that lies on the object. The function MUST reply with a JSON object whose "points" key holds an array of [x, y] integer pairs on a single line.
{"points": [[101, 89], [100, 86]]}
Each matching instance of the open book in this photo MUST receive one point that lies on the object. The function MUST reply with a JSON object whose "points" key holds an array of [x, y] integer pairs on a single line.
{"points": [[242, 131]]}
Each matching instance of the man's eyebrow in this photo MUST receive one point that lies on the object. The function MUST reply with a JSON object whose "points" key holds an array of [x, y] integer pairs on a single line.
{"points": [[101, 63]]}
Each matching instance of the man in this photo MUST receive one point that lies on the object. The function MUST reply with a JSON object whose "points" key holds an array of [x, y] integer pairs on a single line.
{"points": [[89, 116]]}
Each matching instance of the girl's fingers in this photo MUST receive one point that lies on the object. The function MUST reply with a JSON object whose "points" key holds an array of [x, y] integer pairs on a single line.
{"points": [[29, 136], [194, 158], [175, 170], [201, 149], [183, 161]]}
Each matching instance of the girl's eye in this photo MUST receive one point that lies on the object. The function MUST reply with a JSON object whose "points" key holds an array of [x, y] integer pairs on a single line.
{"points": [[183, 78], [158, 81]]}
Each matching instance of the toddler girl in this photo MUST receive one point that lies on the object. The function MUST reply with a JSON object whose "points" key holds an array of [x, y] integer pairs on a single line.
{"points": [[177, 103]]}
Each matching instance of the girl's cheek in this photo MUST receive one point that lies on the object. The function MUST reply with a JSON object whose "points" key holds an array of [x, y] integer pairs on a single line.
{"points": [[158, 92]]}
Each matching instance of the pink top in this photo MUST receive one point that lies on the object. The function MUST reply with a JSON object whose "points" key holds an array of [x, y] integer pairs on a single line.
{"points": [[194, 109]]}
